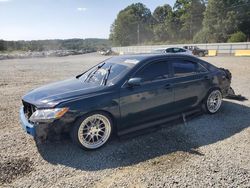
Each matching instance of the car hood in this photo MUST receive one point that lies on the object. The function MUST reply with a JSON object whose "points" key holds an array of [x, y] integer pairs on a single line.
{"points": [[52, 94]]}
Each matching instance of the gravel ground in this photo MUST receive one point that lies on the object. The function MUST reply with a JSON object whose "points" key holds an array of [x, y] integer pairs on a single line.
{"points": [[210, 151]]}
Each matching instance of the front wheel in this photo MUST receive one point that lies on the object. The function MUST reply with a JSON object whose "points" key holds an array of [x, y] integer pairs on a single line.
{"points": [[213, 101], [92, 131]]}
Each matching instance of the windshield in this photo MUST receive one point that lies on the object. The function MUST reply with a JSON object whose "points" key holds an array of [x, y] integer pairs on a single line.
{"points": [[108, 72]]}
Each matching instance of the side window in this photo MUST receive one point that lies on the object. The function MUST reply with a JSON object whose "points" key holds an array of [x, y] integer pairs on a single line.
{"points": [[201, 68], [154, 71], [184, 68], [169, 50], [176, 50]]}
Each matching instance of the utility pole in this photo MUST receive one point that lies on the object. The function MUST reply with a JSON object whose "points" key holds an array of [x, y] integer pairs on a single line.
{"points": [[138, 34]]}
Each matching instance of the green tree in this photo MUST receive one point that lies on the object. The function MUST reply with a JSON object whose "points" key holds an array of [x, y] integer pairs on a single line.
{"points": [[133, 25], [190, 16], [201, 36], [244, 17], [222, 18], [164, 29], [162, 12], [2, 45], [238, 37], [68, 44]]}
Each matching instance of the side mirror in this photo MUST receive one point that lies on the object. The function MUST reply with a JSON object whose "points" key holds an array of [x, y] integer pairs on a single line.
{"points": [[134, 82]]}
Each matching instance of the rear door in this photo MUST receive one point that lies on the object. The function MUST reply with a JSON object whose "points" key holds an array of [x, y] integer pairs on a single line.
{"points": [[190, 81], [151, 100]]}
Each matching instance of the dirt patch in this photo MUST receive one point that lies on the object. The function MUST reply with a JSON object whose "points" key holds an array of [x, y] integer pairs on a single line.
{"points": [[3, 109], [3, 84], [14, 168]]}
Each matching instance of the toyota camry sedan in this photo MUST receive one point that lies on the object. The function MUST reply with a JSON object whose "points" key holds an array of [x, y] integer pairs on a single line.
{"points": [[121, 95]]}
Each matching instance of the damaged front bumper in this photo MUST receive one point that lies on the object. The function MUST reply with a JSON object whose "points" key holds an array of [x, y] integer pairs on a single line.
{"points": [[26, 125], [44, 131], [39, 131]]}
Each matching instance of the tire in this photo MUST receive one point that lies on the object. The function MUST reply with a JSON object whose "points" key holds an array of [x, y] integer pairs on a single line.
{"points": [[92, 131], [201, 54], [213, 101]]}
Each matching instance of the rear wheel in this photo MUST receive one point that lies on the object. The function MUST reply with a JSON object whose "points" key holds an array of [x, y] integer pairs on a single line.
{"points": [[92, 131], [201, 54], [213, 101]]}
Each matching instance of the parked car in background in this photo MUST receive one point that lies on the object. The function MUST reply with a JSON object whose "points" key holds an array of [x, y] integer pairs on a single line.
{"points": [[105, 52], [196, 51], [174, 50], [124, 94], [159, 51]]}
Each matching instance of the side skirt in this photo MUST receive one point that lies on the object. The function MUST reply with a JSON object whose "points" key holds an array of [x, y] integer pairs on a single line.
{"points": [[188, 114]]}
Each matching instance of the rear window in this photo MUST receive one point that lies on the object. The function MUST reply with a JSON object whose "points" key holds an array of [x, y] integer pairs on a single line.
{"points": [[183, 68]]}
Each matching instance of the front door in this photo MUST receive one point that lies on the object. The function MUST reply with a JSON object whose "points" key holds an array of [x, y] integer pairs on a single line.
{"points": [[152, 100]]}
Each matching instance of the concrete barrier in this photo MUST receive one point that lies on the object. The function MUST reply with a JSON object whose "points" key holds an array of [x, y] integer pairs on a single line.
{"points": [[221, 48], [212, 52], [242, 53]]}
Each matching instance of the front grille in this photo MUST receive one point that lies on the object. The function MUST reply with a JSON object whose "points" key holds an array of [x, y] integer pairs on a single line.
{"points": [[28, 109]]}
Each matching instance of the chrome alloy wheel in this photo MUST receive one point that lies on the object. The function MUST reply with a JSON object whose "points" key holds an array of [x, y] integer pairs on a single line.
{"points": [[94, 131], [214, 101]]}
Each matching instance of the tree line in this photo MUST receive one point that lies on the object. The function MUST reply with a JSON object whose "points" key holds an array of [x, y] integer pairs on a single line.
{"points": [[46, 45], [188, 21]]}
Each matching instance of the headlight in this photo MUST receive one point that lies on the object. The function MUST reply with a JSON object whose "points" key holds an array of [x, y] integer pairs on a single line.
{"points": [[47, 115]]}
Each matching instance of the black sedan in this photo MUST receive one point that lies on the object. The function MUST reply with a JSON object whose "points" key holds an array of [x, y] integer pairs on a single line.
{"points": [[121, 95]]}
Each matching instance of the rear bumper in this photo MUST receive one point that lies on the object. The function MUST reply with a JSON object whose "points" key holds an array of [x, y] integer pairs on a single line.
{"points": [[28, 127]]}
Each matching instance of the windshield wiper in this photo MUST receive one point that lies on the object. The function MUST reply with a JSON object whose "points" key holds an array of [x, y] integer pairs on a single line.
{"points": [[105, 80], [91, 74]]}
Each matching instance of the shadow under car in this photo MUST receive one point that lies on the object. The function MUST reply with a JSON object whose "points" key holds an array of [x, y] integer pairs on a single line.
{"points": [[201, 131]]}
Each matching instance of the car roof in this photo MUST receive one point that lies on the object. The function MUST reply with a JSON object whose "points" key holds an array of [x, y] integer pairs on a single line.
{"points": [[169, 48], [175, 47], [137, 59]]}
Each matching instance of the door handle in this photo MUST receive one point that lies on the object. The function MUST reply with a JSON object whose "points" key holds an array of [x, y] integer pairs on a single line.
{"points": [[168, 86]]}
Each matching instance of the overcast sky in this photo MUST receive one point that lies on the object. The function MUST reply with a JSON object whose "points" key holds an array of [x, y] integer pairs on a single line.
{"points": [[62, 19]]}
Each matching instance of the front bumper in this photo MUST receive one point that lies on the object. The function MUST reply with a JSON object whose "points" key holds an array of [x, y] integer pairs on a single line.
{"points": [[28, 127], [43, 131]]}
